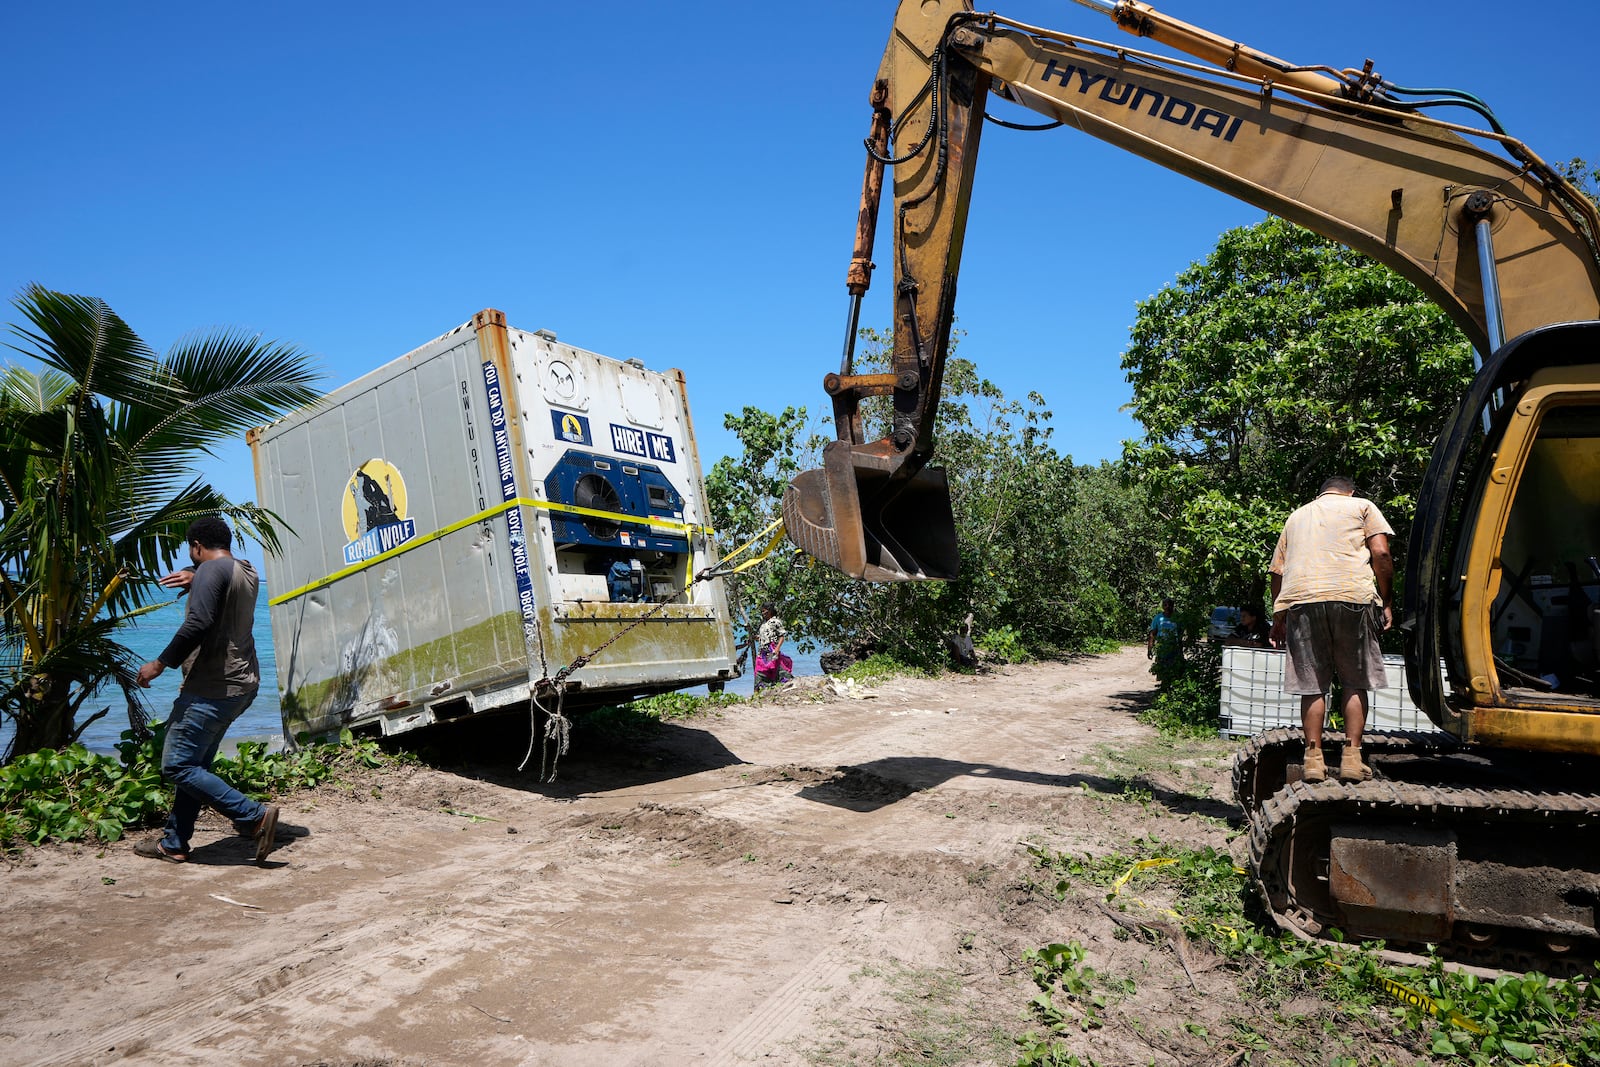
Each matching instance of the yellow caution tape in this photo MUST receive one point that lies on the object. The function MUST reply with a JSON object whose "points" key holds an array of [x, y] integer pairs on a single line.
{"points": [[1143, 865], [1139, 865], [1406, 995], [684, 528]]}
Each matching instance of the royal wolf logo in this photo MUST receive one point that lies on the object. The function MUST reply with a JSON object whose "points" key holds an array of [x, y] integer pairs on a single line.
{"points": [[374, 511]]}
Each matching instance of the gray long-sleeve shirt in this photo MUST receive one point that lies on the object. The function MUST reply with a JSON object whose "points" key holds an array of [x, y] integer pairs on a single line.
{"points": [[216, 644]]}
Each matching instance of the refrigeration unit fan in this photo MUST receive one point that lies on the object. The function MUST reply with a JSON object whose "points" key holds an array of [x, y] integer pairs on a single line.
{"points": [[595, 492]]}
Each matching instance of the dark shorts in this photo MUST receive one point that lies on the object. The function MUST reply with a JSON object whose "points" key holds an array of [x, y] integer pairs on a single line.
{"points": [[1333, 639]]}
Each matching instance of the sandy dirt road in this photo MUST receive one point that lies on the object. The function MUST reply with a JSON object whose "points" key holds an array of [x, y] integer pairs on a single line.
{"points": [[810, 881]]}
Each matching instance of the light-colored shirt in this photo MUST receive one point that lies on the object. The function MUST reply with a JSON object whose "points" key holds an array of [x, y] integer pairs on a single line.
{"points": [[770, 632], [1322, 554]]}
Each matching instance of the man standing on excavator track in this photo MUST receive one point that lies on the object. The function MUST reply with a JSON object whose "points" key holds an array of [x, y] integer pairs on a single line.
{"points": [[1332, 595]]}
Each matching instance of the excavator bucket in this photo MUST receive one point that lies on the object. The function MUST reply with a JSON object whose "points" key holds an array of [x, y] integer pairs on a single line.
{"points": [[876, 522]]}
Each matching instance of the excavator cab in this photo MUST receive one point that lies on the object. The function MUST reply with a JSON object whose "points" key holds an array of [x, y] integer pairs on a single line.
{"points": [[874, 517], [1504, 583], [1541, 585]]}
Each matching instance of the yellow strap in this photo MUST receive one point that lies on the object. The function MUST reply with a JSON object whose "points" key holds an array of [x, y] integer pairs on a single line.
{"points": [[471, 520], [641, 520], [773, 528]]}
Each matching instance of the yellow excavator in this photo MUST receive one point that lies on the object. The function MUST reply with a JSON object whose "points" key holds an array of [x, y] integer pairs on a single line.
{"points": [[1480, 838]]}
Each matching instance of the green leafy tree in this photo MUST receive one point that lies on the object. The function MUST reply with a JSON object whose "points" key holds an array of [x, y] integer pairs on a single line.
{"points": [[97, 486], [1280, 359], [1050, 552], [1111, 561], [744, 494], [1583, 174]]}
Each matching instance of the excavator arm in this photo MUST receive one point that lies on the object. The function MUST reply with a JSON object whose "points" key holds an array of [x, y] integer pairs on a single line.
{"points": [[1501, 241], [1487, 848]]}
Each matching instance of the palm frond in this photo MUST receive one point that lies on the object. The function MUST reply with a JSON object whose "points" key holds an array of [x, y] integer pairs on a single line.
{"points": [[249, 520], [22, 390], [233, 382], [149, 543], [88, 659], [26, 438], [83, 338]]}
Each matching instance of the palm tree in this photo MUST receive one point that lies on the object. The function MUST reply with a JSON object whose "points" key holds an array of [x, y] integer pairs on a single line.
{"points": [[97, 487]]}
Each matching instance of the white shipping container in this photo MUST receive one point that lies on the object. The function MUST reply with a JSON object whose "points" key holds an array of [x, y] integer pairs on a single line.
{"points": [[1253, 699], [471, 517]]}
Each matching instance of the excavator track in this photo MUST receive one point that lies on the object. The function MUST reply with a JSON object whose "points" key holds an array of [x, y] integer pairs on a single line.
{"points": [[1263, 765], [1497, 867]]}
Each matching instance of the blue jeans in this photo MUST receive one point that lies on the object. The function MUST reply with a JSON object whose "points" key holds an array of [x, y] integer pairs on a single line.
{"points": [[194, 733]]}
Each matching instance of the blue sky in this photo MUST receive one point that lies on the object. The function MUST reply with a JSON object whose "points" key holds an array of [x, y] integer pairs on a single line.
{"points": [[672, 182]]}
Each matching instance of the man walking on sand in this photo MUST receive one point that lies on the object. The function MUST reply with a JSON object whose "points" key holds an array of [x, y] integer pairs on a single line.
{"points": [[217, 650], [1332, 591]]}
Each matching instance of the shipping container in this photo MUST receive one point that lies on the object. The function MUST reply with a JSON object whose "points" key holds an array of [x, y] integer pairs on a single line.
{"points": [[472, 517]]}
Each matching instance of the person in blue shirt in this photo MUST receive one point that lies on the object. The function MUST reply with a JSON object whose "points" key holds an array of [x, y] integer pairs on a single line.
{"points": [[1164, 642]]}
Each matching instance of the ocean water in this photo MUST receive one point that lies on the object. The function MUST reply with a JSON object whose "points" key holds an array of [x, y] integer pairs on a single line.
{"points": [[147, 637], [262, 719], [805, 664]]}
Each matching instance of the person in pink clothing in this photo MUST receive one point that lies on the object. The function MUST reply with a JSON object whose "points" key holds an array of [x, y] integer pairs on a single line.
{"points": [[772, 666], [1332, 595]]}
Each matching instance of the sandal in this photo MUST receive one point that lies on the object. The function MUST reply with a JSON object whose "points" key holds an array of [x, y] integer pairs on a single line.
{"points": [[151, 848]]}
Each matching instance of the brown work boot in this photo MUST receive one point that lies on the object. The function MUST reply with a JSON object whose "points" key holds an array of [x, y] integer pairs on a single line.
{"points": [[1314, 769], [1351, 769]]}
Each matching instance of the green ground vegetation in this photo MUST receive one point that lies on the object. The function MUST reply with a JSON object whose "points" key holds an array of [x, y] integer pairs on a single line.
{"points": [[934, 1022], [73, 794], [1326, 1003], [878, 668], [1442, 1016]]}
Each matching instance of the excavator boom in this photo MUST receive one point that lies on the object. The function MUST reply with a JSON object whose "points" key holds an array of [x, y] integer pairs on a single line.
{"points": [[1502, 242]]}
